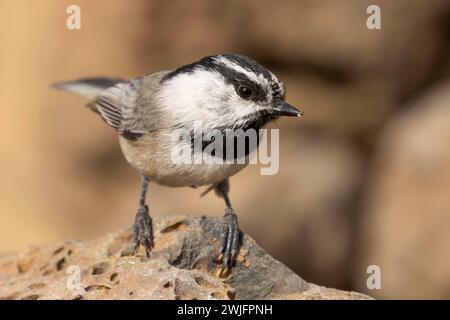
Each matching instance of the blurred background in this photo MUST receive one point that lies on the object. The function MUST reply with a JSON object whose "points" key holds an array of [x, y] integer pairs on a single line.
{"points": [[364, 176]]}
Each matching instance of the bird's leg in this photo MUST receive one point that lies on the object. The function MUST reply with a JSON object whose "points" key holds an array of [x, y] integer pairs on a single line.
{"points": [[142, 228], [230, 235]]}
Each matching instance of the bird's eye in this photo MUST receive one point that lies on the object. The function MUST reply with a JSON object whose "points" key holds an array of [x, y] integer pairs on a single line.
{"points": [[245, 92]]}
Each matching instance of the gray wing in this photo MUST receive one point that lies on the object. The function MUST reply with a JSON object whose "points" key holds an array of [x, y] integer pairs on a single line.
{"points": [[116, 106], [127, 106]]}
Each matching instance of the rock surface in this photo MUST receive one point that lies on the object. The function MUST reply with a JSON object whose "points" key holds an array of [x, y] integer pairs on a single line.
{"points": [[181, 267]]}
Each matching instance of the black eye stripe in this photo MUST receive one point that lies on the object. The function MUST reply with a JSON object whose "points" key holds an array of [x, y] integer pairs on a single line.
{"points": [[234, 77], [239, 80]]}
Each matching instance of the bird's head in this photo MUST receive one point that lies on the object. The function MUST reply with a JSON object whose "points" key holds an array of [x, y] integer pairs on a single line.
{"points": [[225, 90]]}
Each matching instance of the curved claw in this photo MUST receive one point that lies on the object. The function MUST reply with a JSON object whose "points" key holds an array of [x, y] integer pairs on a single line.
{"points": [[143, 231], [230, 238]]}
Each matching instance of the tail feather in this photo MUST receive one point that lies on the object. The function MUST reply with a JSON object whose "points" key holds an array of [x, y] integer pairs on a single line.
{"points": [[90, 87]]}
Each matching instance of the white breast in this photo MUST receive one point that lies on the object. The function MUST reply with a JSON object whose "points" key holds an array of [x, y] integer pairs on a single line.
{"points": [[152, 157]]}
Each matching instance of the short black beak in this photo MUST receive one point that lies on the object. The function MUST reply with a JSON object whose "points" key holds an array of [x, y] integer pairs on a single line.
{"points": [[285, 109]]}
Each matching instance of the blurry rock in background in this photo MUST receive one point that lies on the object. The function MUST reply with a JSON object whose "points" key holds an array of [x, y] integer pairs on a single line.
{"points": [[406, 220], [348, 184], [352, 76], [322, 176]]}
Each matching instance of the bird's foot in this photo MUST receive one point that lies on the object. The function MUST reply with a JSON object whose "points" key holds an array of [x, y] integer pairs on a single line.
{"points": [[231, 242], [142, 231]]}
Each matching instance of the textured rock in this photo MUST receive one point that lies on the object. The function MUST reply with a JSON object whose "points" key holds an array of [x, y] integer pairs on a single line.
{"points": [[407, 217], [181, 267]]}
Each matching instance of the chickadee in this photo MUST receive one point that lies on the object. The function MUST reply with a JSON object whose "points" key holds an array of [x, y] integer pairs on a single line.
{"points": [[226, 91]]}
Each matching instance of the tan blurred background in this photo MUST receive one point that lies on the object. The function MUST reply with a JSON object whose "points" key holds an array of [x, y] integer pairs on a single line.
{"points": [[364, 177]]}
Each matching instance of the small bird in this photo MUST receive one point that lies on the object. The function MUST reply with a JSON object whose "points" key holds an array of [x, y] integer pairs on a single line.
{"points": [[225, 92]]}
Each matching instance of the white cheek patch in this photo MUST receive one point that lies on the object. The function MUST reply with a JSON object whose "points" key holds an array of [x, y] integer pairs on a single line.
{"points": [[195, 96], [187, 90]]}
